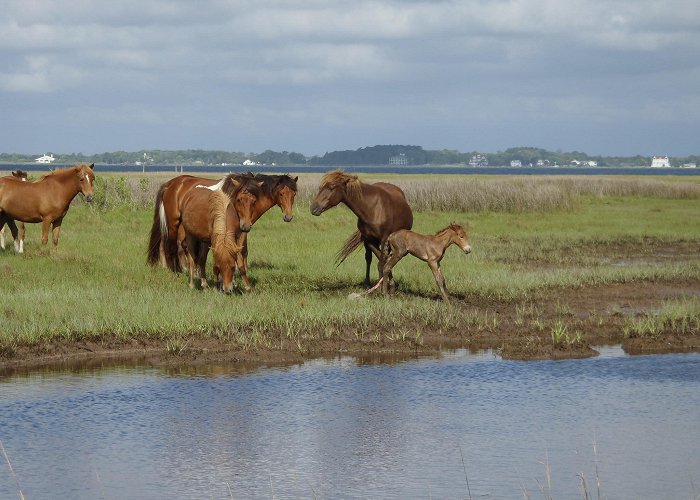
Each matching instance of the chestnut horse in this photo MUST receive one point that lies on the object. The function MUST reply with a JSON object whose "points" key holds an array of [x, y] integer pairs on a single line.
{"points": [[430, 249], [164, 244], [381, 209], [47, 200], [196, 225], [19, 244]]}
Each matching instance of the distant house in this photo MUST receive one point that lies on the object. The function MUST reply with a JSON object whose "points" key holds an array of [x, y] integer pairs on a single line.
{"points": [[690, 165], [516, 163], [399, 159], [248, 163], [45, 159], [592, 163], [660, 162], [478, 161]]}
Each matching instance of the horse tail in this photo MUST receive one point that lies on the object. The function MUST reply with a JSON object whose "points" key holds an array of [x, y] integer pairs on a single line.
{"points": [[351, 244], [159, 232], [221, 242]]}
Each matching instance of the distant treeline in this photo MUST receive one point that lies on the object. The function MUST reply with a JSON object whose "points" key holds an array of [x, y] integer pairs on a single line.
{"points": [[374, 155]]}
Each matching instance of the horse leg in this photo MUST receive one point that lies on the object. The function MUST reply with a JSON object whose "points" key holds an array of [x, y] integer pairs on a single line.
{"points": [[189, 253], [439, 278], [368, 260], [203, 252], [22, 233], [393, 259], [45, 226], [242, 262], [56, 231], [2, 235]]}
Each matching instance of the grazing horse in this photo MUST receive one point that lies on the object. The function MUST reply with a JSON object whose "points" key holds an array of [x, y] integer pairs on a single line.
{"points": [[381, 209], [430, 249], [164, 242], [224, 246], [195, 225], [19, 245], [47, 200]]}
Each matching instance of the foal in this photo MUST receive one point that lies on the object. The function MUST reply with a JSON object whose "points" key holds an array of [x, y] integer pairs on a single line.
{"points": [[427, 248]]}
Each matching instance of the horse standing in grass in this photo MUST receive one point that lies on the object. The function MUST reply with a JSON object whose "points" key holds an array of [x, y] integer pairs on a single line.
{"points": [[430, 249], [47, 200], [224, 246], [165, 234], [381, 209], [19, 244], [196, 226]]}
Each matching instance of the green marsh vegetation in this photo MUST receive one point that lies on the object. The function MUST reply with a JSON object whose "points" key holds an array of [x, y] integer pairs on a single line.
{"points": [[530, 237]]}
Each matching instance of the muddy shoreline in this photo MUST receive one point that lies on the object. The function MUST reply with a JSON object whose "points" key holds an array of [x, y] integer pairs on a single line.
{"points": [[592, 316]]}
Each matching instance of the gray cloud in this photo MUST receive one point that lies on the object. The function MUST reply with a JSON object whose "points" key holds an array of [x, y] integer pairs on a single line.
{"points": [[610, 77]]}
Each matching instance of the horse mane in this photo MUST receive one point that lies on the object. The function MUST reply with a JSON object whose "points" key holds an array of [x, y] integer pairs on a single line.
{"points": [[242, 182], [351, 183], [218, 202], [61, 172], [272, 182], [452, 227]]}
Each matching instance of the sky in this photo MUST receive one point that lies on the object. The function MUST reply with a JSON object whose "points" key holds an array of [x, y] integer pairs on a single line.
{"points": [[604, 77]]}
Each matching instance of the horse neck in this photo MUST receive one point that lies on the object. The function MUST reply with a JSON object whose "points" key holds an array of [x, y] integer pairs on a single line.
{"points": [[445, 239], [358, 206], [262, 204], [67, 186]]}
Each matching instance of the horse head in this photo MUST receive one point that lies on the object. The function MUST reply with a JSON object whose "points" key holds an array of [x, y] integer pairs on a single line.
{"points": [[86, 180], [244, 192], [284, 192], [335, 187], [460, 238], [20, 174]]}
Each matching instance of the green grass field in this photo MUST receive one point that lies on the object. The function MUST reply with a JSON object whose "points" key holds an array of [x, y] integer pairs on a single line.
{"points": [[590, 232]]}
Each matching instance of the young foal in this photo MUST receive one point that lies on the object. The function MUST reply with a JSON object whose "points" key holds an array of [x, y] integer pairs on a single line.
{"points": [[19, 244], [430, 249]]}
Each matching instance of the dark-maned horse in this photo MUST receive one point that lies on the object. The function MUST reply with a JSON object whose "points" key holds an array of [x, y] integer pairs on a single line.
{"points": [[164, 244], [195, 224], [381, 209], [47, 200], [19, 243], [428, 248]]}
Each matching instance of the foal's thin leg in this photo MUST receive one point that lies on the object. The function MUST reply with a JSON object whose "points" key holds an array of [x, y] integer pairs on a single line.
{"points": [[439, 278], [394, 258]]}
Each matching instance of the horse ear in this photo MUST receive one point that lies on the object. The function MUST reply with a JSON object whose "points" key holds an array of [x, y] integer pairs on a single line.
{"points": [[92, 166], [261, 183], [296, 178]]}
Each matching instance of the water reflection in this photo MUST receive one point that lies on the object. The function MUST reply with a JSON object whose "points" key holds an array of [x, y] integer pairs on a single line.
{"points": [[357, 428]]}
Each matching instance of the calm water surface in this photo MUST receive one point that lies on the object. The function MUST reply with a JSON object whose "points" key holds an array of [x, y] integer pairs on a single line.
{"points": [[457, 427]]}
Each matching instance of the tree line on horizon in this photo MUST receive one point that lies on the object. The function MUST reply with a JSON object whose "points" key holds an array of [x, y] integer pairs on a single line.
{"points": [[373, 155]]}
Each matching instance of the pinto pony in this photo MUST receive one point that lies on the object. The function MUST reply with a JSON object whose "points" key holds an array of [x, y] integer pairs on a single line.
{"points": [[196, 225], [381, 209], [430, 249], [19, 244], [47, 200], [166, 235]]}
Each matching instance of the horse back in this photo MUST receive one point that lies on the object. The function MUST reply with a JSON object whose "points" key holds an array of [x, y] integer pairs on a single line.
{"points": [[393, 210], [29, 202]]}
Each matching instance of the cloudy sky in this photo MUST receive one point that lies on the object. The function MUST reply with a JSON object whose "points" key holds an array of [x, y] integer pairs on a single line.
{"points": [[612, 77]]}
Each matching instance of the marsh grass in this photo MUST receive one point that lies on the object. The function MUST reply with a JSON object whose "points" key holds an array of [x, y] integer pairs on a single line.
{"points": [[676, 317], [98, 285]]}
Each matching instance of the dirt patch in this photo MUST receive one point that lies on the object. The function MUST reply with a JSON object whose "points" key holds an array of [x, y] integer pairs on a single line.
{"points": [[559, 324]]}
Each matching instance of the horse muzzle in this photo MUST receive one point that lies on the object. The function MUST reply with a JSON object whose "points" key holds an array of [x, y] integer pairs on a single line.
{"points": [[467, 249], [288, 218], [89, 198], [245, 227], [316, 210]]}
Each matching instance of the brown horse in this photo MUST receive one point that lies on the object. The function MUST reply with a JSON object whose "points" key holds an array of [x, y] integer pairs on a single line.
{"points": [[164, 243], [196, 227], [47, 200], [224, 246], [19, 244], [430, 249], [381, 209]]}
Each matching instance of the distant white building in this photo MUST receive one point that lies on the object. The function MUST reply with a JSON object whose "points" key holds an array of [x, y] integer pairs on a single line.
{"points": [[660, 162], [478, 161], [248, 163], [44, 159], [516, 163], [690, 165], [399, 159]]}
